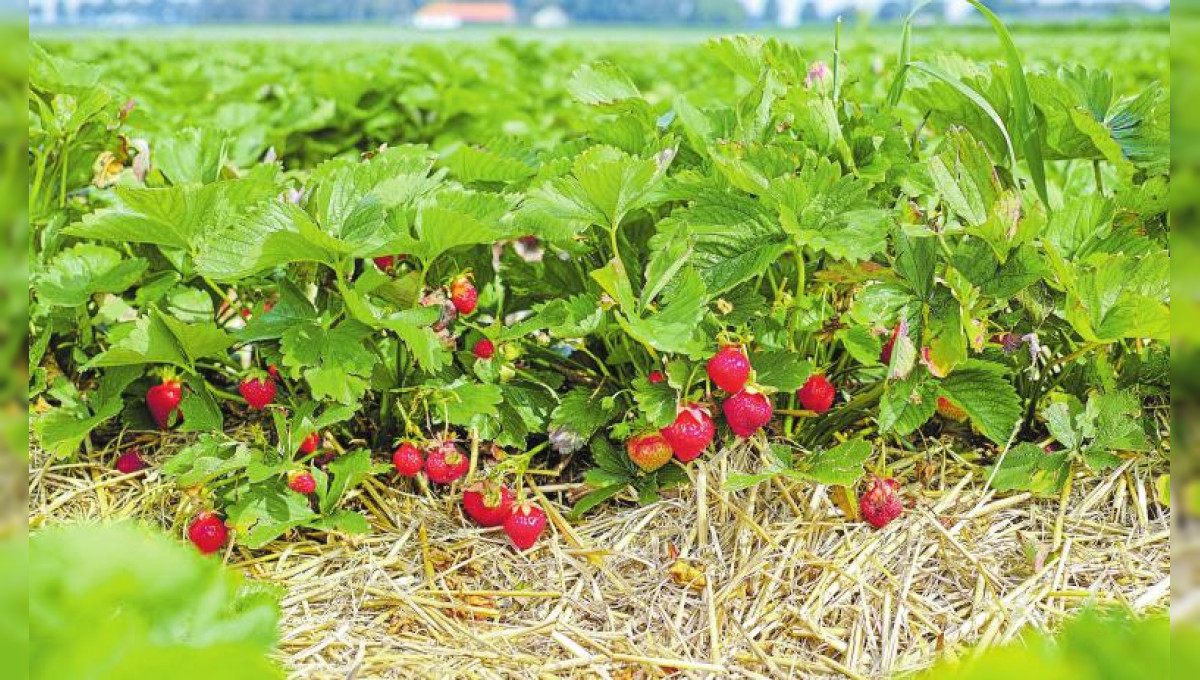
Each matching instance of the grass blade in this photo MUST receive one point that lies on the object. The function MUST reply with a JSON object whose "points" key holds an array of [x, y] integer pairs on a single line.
{"points": [[897, 88], [970, 93], [1026, 115]]}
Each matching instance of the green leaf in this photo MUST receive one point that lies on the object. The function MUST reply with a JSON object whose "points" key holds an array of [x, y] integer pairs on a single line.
{"points": [[268, 235], [1026, 467], [61, 430], [733, 238], [211, 456], [907, 404], [582, 412], [980, 389], [1116, 422], [605, 185], [267, 511], [825, 210], [199, 409], [964, 177], [781, 369], [841, 465], [861, 344], [334, 361], [348, 471], [192, 618], [462, 402], [601, 82], [657, 402], [292, 308], [77, 273]]}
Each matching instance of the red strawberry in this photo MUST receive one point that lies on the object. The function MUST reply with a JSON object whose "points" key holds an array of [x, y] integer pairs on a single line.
{"points": [[273, 371], [949, 410], [484, 349], [691, 433], [208, 532], [257, 391], [131, 462], [488, 504], [408, 460], [880, 503], [656, 377], [386, 262], [648, 450], [311, 443], [817, 394], [524, 525], [446, 464], [463, 295], [162, 400], [302, 482], [746, 412], [729, 368]]}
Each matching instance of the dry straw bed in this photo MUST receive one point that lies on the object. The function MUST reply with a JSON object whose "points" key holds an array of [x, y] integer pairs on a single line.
{"points": [[769, 582]]}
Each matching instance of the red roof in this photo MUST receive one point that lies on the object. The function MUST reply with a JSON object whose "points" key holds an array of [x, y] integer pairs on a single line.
{"points": [[482, 12]]}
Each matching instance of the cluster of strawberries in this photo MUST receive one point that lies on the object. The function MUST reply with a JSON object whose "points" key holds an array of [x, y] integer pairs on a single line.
{"points": [[488, 503], [747, 409]]}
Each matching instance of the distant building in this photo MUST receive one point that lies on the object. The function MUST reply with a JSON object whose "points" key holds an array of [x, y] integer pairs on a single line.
{"points": [[450, 15], [550, 17]]}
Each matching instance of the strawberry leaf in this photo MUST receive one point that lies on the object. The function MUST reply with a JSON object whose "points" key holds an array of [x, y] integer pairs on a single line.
{"points": [[980, 389]]}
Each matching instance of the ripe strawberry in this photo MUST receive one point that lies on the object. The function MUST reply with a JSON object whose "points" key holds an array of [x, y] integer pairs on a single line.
{"points": [[208, 532], [257, 391], [386, 262], [484, 349], [446, 464], [648, 450], [463, 295], [949, 410], [691, 433], [818, 394], [880, 503], [273, 371], [488, 504], [746, 412], [131, 462], [729, 368], [655, 377], [302, 482], [163, 399], [524, 525], [408, 460], [311, 443]]}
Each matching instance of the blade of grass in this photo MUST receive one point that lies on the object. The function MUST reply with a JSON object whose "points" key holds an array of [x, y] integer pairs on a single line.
{"points": [[1026, 115], [897, 88], [969, 92]]}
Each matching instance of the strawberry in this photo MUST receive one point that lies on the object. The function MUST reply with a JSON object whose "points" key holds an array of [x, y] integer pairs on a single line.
{"points": [[951, 411], [302, 482], [446, 464], [131, 462], [273, 371], [463, 294], [257, 391], [163, 400], [488, 504], [655, 377], [208, 532], [880, 503], [746, 412], [311, 443], [387, 262], [408, 460], [524, 525], [484, 349], [691, 433], [729, 368], [818, 394], [648, 450]]}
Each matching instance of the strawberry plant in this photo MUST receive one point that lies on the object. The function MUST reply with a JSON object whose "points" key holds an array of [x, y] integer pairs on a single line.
{"points": [[821, 265]]}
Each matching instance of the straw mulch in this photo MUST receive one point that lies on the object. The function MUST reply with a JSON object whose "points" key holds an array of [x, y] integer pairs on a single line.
{"points": [[770, 582]]}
